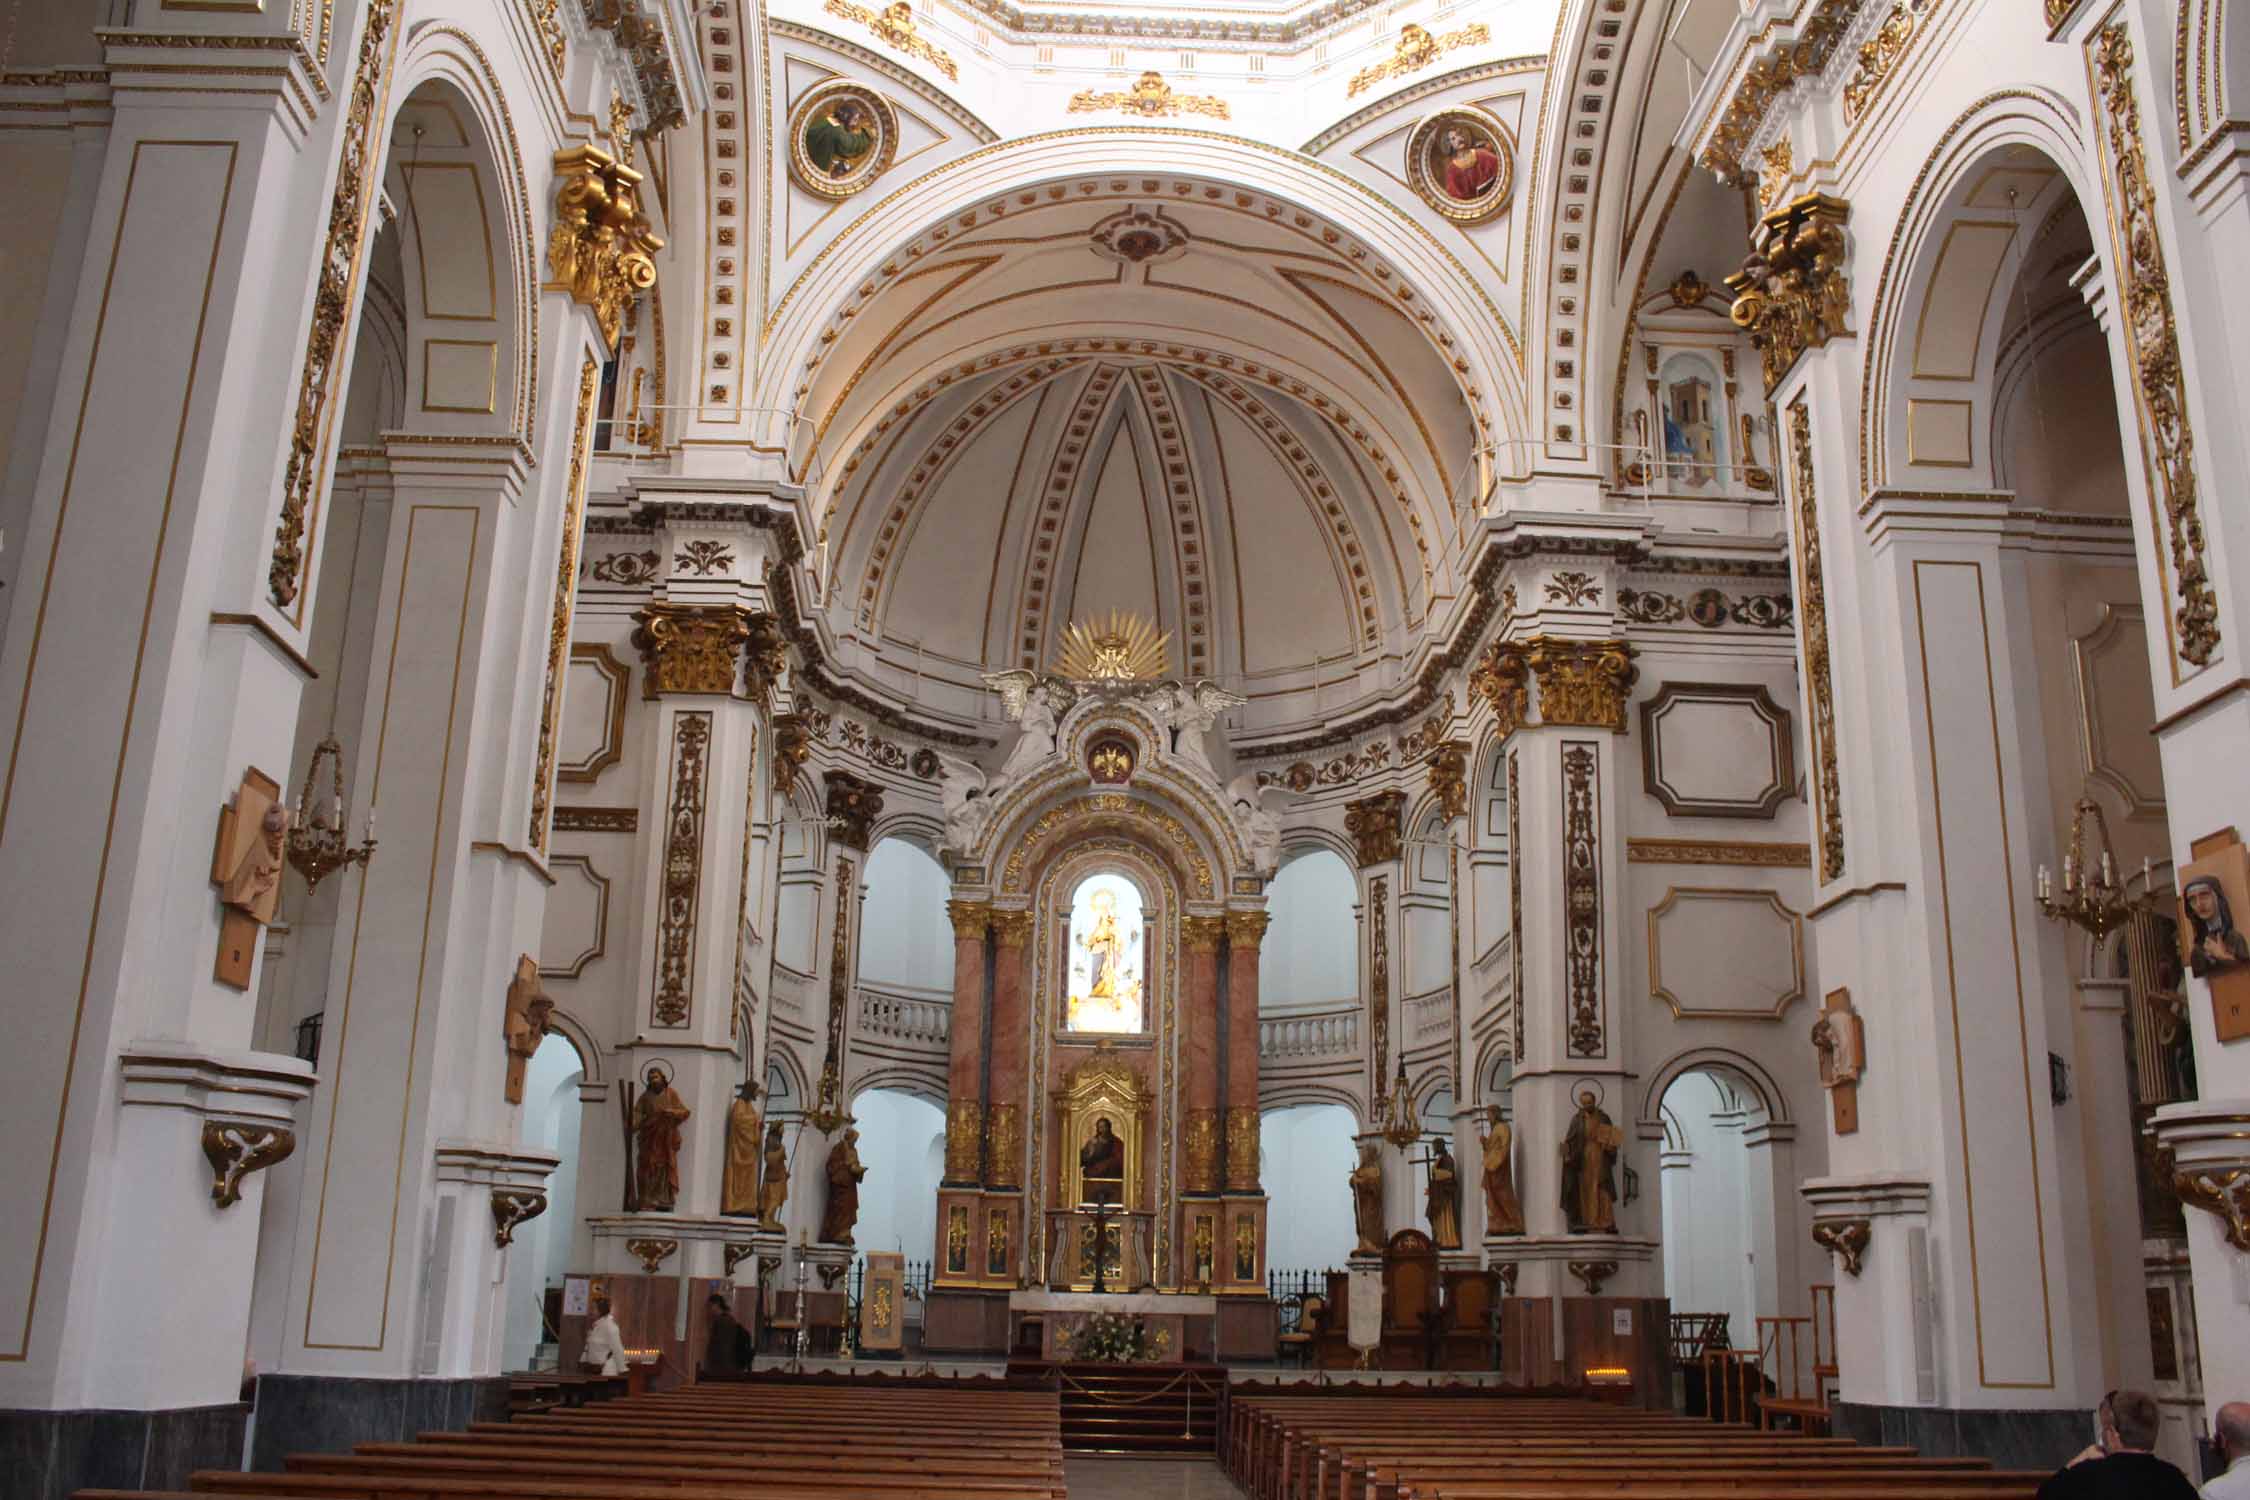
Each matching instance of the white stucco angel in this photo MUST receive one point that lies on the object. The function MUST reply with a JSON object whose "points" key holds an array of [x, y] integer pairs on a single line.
{"points": [[1254, 813], [1032, 703], [968, 810], [1196, 706]]}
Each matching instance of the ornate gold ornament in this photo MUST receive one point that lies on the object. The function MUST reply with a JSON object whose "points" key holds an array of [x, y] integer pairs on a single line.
{"points": [[1201, 934], [1109, 809], [1242, 1149], [1123, 648], [641, 39], [679, 894], [1846, 1238], [1416, 50], [1713, 852], [1375, 826], [1247, 929], [1151, 98], [1110, 761], [792, 747], [1583, 683], [893, 25], [1199, 1143], [688, 648], [601, 249], [1003, 1137], [964, 1129], [969, 918], [1582, 897], [1379, 981], [235, 1150], [1774, 172], [1011, 927], [511, 1208], [1791, 295], [335, 298], [853, 807], [1449, 778], [1593, 1273], [1139, 236], [2223, 1191], [652, 1253], [566, 592], [1502, 677], [882, 1310], [1461, 162], [2153, 339], [1879, 55], [1515, 907], [1814, 614], [1766, 79], [765, 656], [842, 136]]}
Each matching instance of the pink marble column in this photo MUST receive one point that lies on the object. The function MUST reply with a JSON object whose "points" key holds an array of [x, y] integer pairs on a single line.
{"points": [[1011, 1051], [1245, 931], [1199, 1051], [964, 1079]]}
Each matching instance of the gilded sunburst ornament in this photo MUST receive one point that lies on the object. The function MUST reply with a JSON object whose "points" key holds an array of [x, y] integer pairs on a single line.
{"points": [[1125, 647]]}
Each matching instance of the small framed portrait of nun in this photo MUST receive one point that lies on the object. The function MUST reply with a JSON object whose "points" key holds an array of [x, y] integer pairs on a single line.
{"points": [[842, 136], [2214, 900], [1462, 164]]}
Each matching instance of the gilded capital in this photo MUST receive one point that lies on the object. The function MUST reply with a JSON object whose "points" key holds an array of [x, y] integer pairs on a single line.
{"points": [[1201, 934], [688, 648], [1012, 928], [1449, 778], [1503, 679], [970, 918], [1247, 929], [1791, 294], [1583, 683], [766, 654], [1375, 824], [601, 250], [853, 806]]}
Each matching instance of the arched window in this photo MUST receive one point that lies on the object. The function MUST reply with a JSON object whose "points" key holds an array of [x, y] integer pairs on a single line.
{"points": [[1108, 954]]}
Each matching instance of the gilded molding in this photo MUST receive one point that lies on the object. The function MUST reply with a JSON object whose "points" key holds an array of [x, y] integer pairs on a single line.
{"points": [[566, 590], [335, 298], [1151, 98], [1199, 1147], [1879, 55], [1502, 677], [964, 1130], [597, 820], [1515, 907], [1247, 929], [1828, 775], [642, 41], [1449, 778], [687, 648], [2152, 336], [1375, 824], [1242, 1149], [1416, 50], [1003, 1138], [235, 1150], [1103, 808], [841, 973], [893, 26], [1767, 78], [681, 891], [1201, 934], [970, 919], [512, 1208], [1583, 683], [1712, 852], [1582, 898], [853, 806], [1791, 294], [601, 249], [1846, 1238]]}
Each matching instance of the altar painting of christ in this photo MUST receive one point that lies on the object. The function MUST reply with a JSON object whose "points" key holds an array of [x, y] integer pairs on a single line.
{"points": [[1106, 968]]}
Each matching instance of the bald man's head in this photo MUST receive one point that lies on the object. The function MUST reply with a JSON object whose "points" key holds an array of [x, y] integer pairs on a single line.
{"points": [[2233, 1423]]}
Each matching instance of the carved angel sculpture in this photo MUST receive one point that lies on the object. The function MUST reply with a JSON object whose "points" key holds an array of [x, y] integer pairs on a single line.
{"points": [[968, 810], [1196, 706], [1031, 703], [1260, 823]]}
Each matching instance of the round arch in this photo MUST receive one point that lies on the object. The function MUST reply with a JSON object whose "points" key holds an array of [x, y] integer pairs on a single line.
{"points": [[1751, 1073], [562, 1023]]}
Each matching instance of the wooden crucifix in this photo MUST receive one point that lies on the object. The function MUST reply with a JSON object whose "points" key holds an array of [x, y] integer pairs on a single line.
{"points": [[1841, 1041]]}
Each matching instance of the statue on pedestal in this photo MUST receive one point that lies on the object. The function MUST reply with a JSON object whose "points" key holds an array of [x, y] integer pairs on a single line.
{"points": [[844, 1174], [1444, 1197], [738, 1188], [1367, 1200], [1503, 1211], [773, 1183], [1036, 705], [657, 1119], [1589, 1168]]}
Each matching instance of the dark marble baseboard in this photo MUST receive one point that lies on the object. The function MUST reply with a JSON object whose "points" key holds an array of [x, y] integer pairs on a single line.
{"points": [[45, 1455], [330, 1413], [2011, 1439]]}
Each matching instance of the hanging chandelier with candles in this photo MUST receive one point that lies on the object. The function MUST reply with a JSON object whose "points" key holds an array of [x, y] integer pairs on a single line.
{"points": [[316, 837]]}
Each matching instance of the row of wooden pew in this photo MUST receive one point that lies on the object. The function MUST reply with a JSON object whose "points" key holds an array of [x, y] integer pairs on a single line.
{"points": [[1398, 1445], [728, 1441]]}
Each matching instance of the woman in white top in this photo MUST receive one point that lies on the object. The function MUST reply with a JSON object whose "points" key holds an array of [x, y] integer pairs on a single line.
{"points": [[604, 1353]]}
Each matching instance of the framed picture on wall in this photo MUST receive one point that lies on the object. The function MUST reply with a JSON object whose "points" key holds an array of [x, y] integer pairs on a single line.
{"points": [[2214, 898]]}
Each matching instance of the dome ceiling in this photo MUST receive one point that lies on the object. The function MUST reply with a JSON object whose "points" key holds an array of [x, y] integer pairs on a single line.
{"points": [[1197, 412]]}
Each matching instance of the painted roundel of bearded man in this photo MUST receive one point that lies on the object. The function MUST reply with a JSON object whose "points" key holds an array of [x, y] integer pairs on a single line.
{"points": [[1471, 165]]}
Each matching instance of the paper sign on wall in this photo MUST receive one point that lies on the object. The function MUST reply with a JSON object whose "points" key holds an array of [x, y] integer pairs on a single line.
{"points": [[576, 1296], [1364, 1310], [1621, 1321]]}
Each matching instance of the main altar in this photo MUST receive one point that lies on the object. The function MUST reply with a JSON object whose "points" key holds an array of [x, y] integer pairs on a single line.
{"points": [[1108, 903]]}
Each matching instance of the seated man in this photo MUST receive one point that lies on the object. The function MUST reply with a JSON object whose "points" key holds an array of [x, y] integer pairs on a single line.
{"points": [[2123, 1464], [1101, 1164]]}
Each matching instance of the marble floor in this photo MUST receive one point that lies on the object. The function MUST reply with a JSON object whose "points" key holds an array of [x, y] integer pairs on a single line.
{"points": [[1097, 1478]]}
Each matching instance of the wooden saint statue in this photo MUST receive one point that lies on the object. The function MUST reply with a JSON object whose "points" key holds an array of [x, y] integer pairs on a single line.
{"points": [[738, 1187], [1589, 1168], [657, 1119], [1445, 1199], [254, 884], [1503, 1211], [525, 1022], [773, 1184], [844, 1174], [1367, 1200]]}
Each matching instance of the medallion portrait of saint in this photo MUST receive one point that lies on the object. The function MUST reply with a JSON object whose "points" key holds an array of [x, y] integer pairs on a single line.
{"points": [[1462, 165], [842, 137], [1106, 974]]}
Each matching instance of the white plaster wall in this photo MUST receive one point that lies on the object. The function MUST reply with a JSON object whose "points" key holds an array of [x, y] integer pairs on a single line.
{"points": [[902, 1145], [906, 937], [1708, 1265], [541, 1252], [1310, 954], [1308, 1153]]}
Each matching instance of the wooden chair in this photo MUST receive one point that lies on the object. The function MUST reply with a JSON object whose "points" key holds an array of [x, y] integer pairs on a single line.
{"points": [[1302, 1323], [778, 1332]]}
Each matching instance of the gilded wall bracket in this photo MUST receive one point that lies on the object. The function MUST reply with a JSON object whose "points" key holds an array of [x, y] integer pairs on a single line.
{"points": [[602, 250], [1791, 294]]}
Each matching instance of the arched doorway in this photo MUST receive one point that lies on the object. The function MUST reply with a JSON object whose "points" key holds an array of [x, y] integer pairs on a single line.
{"points": [[542, 1249]]}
